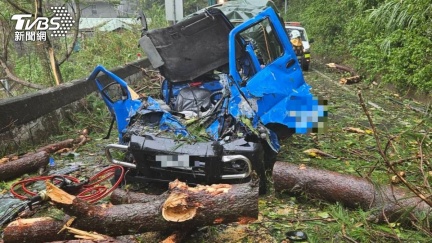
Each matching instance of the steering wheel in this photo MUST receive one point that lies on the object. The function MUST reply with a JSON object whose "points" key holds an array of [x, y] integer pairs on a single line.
{"points": [[213, 99]]}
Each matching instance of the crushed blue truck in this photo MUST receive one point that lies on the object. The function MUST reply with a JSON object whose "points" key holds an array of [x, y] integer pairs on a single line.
{"points": [[230, 95]]}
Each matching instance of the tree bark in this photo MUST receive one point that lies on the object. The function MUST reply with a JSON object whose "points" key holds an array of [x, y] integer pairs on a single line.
{"points": [[35, 230], [119, 196], [26, 164], [68, 143], [387, 202], [51, 148]]}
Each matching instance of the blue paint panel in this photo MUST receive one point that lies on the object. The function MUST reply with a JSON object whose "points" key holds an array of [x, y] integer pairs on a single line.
{"points": [[168, 122], [122, 109]]}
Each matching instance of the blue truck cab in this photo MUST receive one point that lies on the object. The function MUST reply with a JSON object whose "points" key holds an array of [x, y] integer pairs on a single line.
{"points": [[230, 95]]}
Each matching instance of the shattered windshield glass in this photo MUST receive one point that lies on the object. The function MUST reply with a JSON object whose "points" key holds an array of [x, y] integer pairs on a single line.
{"points": [[263, 37]]}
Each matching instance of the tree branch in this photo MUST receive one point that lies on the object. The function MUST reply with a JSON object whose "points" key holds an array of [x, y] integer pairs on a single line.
{"points": [[14, 78], [6, 34], [77, 13], [13, 4], [385, 158]]}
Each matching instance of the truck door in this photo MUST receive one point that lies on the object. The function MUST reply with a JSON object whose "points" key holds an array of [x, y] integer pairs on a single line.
{"points": [[121, 100], [277, 91]]}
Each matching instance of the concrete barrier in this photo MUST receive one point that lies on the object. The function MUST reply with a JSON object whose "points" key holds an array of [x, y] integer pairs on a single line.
{"points": [[33, 117]]}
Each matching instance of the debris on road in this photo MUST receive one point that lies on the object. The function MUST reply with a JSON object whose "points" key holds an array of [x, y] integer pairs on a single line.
{"points": [[68, 144], [354, 77], [195, 206], [12, 166], [318, 153], [357, 130]]}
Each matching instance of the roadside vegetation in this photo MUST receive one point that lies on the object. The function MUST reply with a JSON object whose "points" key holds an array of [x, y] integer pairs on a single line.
{"points": [[385, 40], [29, 61]]}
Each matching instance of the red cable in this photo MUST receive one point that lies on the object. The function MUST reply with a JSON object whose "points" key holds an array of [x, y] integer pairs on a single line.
{"points": [[92, 192]]}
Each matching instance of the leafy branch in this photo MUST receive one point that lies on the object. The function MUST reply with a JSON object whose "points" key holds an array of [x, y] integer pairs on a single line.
{"points": [[383, 155]]}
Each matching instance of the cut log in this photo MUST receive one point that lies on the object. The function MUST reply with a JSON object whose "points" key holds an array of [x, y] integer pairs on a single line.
{"points": [[387, 202], [350, 80], [212, 205], [68, 143], [45, 229], [26, 164], [182, 208], [54, 147], [341, 68], [51, 148], [355, 78], [119, 196], [35, 230]]}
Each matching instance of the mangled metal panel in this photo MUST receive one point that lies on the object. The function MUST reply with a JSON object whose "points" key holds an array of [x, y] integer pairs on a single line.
{"points": [[191, 47]]}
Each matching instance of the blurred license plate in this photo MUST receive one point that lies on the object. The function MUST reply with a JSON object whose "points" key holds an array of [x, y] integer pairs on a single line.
{"points": [[178, 160]]}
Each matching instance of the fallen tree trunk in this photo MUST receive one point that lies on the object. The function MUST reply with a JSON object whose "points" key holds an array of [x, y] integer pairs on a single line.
{"points": [[26, 164], [35, 230], [182, 208], [387, 202], [44, 229], [66, 144], [119, 196], [51, 148], [12, 166]]}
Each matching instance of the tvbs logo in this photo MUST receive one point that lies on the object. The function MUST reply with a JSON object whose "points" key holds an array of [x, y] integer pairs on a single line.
{"points": [[58, 25]]}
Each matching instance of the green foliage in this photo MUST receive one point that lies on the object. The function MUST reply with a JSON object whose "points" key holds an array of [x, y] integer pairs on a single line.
{"points": [[395, 14], [388, 41], [95, 117], [157, 15], [29, 68], [110, 49]]}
